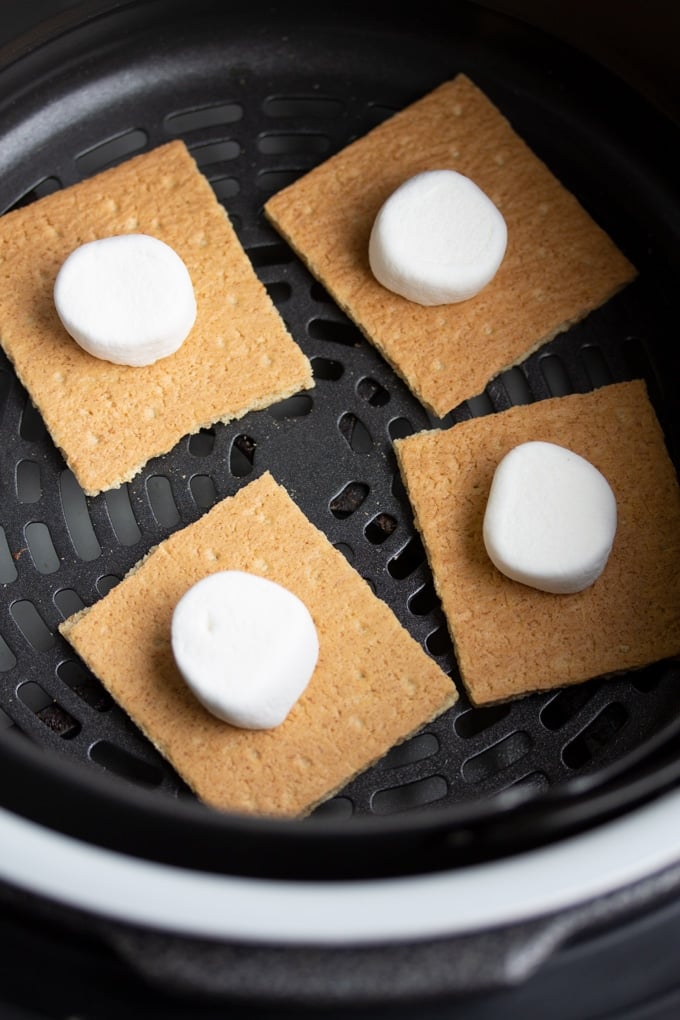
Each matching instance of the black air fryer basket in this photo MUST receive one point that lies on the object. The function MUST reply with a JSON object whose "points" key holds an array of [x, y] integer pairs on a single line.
{"points": [[261, 93]]}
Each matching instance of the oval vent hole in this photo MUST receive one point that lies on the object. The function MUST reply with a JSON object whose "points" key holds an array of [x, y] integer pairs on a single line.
{"points": [[378, 112], [373, 392], [280, 143], [270, 181], [82, 683], [398, 489], [242, 456], [424, 600], [216, 152], [276, 254], [407, 560], [203, 491], [106, 583], [336, 807], [555, 375], [202, 443], [410, 795], [41, 548], [67, 602], [596, 366], [355, 433], [32, 626], [349, 500], [418, 748], [649, 677], [480, 405], [202, 117], [32, 427], [439, 641], [302, 106], [48, 711], [380, 528], [161, 500], [344, 333], [29, 488], [297, 406], [516, 386], [537, 781], [121, 515], [124, 764], [78, 523], [346, 550], [595, 737], [327, 369], [225, 188], [478, 720], [399, 428], [8, 570], [113, 150], [44, 187], [497, 758], [565, 705], [279, 292]]}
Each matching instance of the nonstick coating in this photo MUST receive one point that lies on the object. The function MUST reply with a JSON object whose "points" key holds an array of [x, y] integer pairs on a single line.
{"points": [[260, 95]]}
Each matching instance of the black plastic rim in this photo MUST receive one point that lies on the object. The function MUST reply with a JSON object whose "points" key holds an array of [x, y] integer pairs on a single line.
{"points": [[606, 143]]}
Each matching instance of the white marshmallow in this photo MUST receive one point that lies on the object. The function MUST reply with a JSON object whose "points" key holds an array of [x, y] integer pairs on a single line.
{"points": [[438, 239], [550, 518], [245, 646], [128, 299]]}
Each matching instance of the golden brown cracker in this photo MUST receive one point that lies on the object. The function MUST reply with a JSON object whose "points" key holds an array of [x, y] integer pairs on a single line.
{"points": [[373, 685], [109, 420], [511, 639], [558, 266]]}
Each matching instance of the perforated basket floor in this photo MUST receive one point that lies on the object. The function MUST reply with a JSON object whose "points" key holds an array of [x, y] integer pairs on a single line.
{"points": [[259, 103]]}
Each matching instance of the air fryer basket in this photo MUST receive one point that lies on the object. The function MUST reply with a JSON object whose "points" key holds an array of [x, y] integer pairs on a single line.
{"points": [[260, 95]]}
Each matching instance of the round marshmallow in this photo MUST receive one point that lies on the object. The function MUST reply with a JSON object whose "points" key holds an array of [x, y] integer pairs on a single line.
{"points": [[438, 239], [128, 299], [245, 646], [550, 518]]}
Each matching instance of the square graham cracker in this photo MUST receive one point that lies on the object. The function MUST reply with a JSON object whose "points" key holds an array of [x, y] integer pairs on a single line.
{"points": [[558, 266], [109, 420], [511, 639], [373, 685]]}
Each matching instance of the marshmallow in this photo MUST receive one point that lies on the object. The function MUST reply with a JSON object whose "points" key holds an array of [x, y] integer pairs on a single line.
{"points": [[245, 646], [128, 299], [550, 518], [438, 239]]}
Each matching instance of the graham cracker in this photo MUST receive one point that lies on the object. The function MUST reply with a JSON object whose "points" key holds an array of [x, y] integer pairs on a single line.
{"points": [[559, 264], [373, 685], [511, 639], [109, 420]]}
